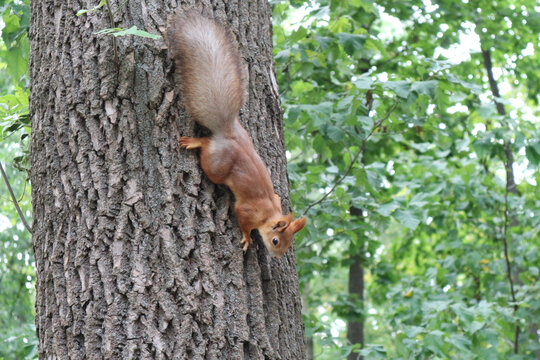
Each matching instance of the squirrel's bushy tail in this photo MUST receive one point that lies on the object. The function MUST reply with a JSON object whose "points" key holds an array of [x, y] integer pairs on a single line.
{"points": [[210, 68]]}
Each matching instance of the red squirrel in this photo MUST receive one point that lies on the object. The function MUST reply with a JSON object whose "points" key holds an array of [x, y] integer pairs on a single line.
{"points": [[213, 86]]}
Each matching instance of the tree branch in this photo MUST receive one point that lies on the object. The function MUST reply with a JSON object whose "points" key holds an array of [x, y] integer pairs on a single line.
{"points": [[510, 187], [14, 199], [336, 183]]}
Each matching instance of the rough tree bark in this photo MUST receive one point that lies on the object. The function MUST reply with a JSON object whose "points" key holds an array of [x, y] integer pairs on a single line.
{"points": [[137, 252]]}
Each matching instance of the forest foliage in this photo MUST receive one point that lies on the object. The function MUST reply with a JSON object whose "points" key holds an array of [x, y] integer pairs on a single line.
{"points": [[17, 274], [399, 152], [391, 101]]}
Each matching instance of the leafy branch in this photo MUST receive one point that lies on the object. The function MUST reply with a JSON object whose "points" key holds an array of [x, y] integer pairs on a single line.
{"points": [[116, 31], [377, 125]]}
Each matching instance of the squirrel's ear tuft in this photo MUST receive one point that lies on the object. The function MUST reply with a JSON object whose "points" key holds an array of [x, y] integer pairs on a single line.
{"points": [[298, 225], [288, 217]]}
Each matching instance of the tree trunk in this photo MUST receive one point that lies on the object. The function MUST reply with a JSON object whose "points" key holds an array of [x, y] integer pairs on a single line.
{"points": [[355, 328], [138, 254], [355, 325], [308, 340]]}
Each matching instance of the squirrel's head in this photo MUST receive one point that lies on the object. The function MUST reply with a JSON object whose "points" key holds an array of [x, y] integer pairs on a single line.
{"points": [[277, 234]]}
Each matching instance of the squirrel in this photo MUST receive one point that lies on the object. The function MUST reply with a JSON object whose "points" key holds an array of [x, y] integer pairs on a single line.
{"points": [[213, 85]]}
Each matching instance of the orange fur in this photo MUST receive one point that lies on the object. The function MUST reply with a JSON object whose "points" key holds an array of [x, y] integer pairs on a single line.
{"points": [[213, 85]]}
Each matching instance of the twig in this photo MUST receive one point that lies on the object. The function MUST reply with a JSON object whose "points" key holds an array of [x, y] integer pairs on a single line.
{"points": [[120, 7], [14, 199], [24, 190], [353, 161], [111, 19]]}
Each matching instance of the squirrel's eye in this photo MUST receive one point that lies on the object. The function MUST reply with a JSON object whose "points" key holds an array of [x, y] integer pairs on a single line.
{"points": [[275, 241]]}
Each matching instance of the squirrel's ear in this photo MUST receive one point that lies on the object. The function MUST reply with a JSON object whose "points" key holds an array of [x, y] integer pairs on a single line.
{"points": [[281, 225], [298, 225]]}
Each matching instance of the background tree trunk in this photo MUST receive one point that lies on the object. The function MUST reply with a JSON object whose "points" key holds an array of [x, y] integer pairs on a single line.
{"points": [[355, 325], [138, 254], [355, 328]]}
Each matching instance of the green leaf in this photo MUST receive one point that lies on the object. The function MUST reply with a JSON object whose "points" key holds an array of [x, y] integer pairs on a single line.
{"points": [[319, 113], [425, 87], [532, 155], [364, 82], [16, 62], [413, 331], [386, 209], [373, 351], [462, 343], [474, 326], [434, 342], [131, 31], [300, 86], [468, 85], [11, 23], [351, 42], [401, 88], [421, 147], [335, 133], [407, 218], [298, 34], [341, 24]]}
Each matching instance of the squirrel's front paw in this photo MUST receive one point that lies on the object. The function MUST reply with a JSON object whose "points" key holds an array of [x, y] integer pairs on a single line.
{"points": [[246, 241]]}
